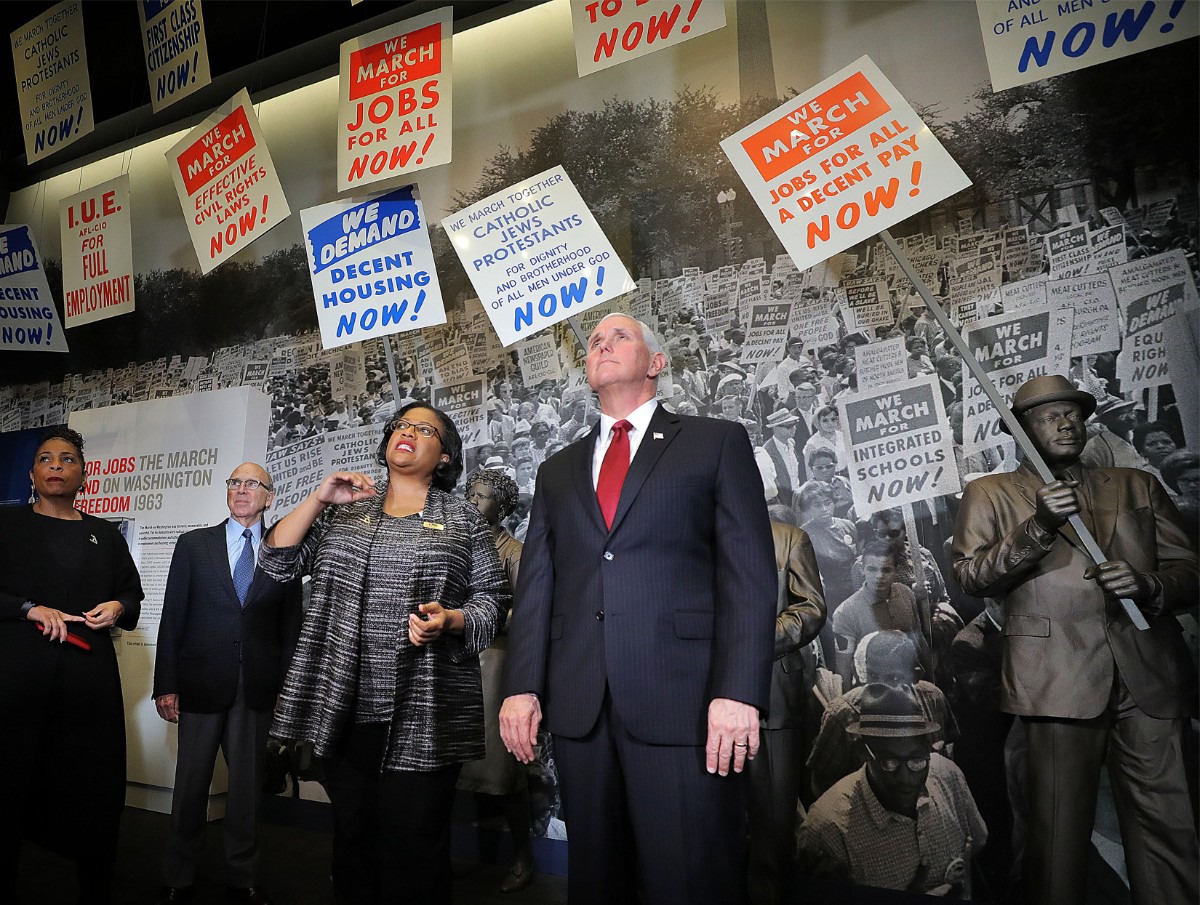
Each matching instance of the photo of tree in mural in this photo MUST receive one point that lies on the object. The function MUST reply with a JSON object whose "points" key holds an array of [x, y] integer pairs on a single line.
{"points": [[1083, 205]]}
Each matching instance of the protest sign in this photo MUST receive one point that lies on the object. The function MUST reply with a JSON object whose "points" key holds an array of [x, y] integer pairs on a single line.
{"points": [[97, 252], [352, 449], [176, 48], [463, 402], [881, 364], [254, 373], [1026, 295], [867, 305], [372, 267], [451, 364], [536, 255], [53, 89], [813, 322], [1091, 297], [1069, 252], [1016, 250], [767, 332], [1112, 216], [900, 446], [1108, 247], [1026, 41], [226, 182], [840, 162], [394, 100], [297, 469], [1010, 348], [1149, 291], [28, 318], [609, 32], [538, 356]]}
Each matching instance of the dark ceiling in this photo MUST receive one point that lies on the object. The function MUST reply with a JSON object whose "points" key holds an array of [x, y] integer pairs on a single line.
{"points": [[293, 37]]}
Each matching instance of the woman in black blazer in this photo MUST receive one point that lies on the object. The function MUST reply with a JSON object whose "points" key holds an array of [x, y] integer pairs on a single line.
{"points": [[66, 578]]}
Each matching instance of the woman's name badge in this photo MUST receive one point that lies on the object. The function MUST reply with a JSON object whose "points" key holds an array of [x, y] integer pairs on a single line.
{"points": [[434, 525]]}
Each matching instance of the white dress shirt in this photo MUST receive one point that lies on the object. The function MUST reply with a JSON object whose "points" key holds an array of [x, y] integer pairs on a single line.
{"points": [[639, 418]]}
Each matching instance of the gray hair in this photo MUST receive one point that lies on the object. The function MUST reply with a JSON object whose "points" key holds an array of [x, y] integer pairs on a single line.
{"points": [[648, 336]]}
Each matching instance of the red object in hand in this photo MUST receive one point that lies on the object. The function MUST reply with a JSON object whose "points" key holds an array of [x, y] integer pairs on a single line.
{"points": [[74, 640]]}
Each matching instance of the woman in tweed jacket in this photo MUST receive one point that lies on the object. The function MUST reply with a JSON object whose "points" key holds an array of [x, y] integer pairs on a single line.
{"points": [[407, 589]]}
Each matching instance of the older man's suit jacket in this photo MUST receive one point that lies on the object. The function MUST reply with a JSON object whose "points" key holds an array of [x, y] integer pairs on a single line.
{"points": [[1062, 634], [672, 607], [206, 636]]}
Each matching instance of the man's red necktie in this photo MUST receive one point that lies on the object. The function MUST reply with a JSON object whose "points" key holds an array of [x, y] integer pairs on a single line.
{"points": [[613, 470]]}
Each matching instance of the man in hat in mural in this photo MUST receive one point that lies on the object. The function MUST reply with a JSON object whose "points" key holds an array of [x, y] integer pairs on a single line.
{"points": [[1089, 686], [781, 448], [1108, 443], [906, 819]]}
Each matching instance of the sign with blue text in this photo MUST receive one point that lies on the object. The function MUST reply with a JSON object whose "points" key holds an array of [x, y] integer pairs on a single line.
{"points": [[53, 88], [1027, 40], [176, 49], [28, 319], [372, 267], [536, 255]]}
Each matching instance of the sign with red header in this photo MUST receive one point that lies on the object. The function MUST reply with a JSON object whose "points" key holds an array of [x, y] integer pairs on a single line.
{"points": [[840, 163], [226, 181], [394, 108]]}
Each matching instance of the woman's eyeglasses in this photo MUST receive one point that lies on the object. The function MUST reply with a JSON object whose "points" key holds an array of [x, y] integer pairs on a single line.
{"points": [[421, 427]]}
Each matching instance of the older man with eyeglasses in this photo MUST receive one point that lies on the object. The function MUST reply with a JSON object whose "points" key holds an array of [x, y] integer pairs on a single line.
{"points": [[227, 633]]}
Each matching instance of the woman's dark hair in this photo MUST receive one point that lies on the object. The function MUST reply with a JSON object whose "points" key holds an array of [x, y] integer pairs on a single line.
{"points": [[1176, 464], [446, 474], [67, 436], [881, 548], [502, 486], [881, 516], [822, 452], [826, 410], [1144, 430], [811, 491]]}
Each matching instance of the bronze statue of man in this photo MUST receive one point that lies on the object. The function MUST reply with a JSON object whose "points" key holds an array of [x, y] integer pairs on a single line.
{"points": [[1090, 688]]}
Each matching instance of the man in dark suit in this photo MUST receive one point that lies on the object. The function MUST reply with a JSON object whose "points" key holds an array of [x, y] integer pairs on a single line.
{"points": [[1087, 684], [643, 632], [226, 635]]}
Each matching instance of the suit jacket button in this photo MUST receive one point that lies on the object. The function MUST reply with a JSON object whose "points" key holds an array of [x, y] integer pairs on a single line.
{"points": [[608, 555], [599, 615]]}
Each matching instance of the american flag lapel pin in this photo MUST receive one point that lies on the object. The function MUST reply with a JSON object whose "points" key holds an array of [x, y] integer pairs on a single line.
{"points": [[657, 435]]}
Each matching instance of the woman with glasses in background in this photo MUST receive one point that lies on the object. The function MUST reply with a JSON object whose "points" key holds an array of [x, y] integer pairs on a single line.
{"points": [[407, 589]]}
